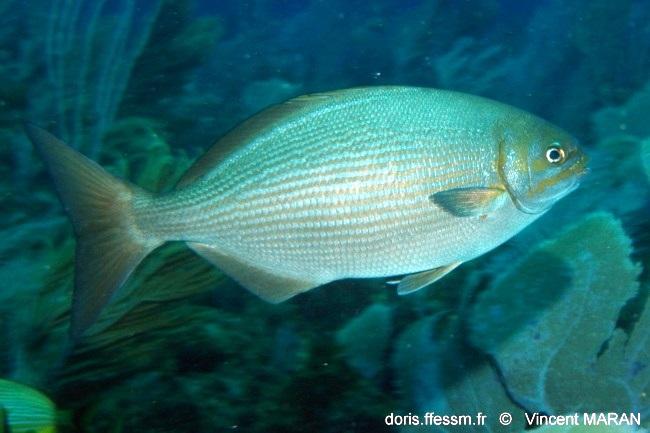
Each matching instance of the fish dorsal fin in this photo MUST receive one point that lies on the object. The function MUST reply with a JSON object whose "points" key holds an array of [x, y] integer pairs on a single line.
{"points": [[267, 285], [414, 282], [473, 201], [259, 123]]}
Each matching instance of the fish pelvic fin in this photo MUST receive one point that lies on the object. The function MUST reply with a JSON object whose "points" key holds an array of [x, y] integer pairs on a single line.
{"points": [[269, 286], [414, 282], [109, 244]]}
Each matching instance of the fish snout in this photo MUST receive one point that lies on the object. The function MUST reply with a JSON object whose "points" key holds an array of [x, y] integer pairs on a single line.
{"points": [[581, 166]]}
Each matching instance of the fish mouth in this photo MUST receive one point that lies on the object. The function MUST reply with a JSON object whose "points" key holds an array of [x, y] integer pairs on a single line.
{"points": [[578, 170], [580, 167], [575, 172], [571, 177]]}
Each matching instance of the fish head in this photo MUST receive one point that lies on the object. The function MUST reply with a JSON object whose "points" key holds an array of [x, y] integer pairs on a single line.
{"points": [[539, 163]]}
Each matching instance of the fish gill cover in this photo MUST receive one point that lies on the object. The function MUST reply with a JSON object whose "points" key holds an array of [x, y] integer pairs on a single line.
{"points": [[555, 321]]}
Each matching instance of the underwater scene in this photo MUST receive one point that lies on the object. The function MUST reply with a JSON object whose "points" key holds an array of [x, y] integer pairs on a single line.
{"points": [[446, 228]]}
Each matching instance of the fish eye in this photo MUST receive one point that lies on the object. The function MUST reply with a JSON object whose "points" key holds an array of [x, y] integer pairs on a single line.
{"points": [[555, 154]]}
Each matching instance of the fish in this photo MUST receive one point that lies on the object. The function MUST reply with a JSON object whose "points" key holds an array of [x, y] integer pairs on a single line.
{"points": [[4, 428], [25, 410], [367, 182]]}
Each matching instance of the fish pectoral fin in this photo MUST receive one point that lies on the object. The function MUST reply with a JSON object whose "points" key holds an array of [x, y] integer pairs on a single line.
{"points": [[414, 282], [267, 285], [473, 201]]}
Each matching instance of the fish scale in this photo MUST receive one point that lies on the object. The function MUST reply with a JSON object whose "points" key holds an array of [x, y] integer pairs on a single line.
{"points": [[269, 225], [357, 183], [244, 224]]}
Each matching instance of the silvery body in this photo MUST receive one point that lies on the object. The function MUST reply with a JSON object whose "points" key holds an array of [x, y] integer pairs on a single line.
{"points": [[358, 183]]}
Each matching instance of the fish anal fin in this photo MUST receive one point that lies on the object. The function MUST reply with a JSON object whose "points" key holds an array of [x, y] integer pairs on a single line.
{"points": [[267, 285], [414, 282], [472, 201]]}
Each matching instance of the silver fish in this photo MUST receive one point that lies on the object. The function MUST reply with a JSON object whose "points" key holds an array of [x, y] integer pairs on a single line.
{"points": [[357, 183]]}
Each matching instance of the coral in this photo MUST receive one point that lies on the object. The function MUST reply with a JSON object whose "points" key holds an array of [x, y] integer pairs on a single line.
{"points": [[630, 118], [34, 337], [574, 357], [150, 162], [563, 304], [616, 165], [90, 51], [436, 372], [624, 363], [166, 345], [415, 362], [556, 325], [178, 44], [323, 374], [365, 339], [645, 156], [478, 391]]}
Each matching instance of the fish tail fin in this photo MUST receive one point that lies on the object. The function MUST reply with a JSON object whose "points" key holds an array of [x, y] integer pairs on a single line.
{"points": [[109, 244]]}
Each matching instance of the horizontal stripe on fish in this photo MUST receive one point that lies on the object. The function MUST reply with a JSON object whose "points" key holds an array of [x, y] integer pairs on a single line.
{"points": [[318, 203], [349, 169], [325, 233], [354, 183], [348, 191], [399, 169], [336, 162], [286, 143]]}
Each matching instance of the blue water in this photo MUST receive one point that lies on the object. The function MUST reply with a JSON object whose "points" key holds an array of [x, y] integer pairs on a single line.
{"points": [[554, 321]]}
